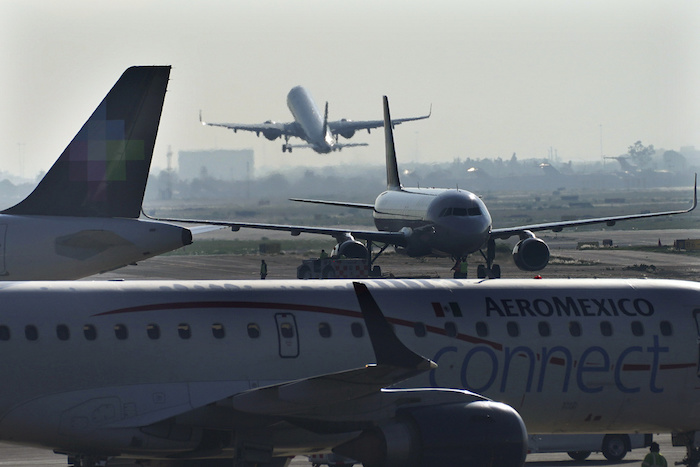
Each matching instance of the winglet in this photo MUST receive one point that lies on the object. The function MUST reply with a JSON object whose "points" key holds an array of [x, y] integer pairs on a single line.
{"points": [[103, 171], [392, 169], [695, 194], [388, 349]]}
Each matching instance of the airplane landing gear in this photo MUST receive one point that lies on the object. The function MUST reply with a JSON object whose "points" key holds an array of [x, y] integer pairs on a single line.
{"points": [[490, 270], [286, 147], [692, 457]]}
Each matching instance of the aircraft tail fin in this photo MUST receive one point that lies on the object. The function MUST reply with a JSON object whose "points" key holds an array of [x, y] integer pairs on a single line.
{"points": [[103, 171], [392, 169]]}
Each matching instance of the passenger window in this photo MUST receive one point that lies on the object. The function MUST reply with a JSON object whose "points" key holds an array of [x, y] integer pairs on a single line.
{"points": [[62, 332], [665, 328], [513, 329], [253, 331], [637, 328], [153, 331], [575, 329], [451, 329], [544, 329], [419, 329], [324, 330], [4, 333], [120, 332], [482, 329], [287, 330], [218, 331], [90, 332], [606, 328], [184, 331], [357, 330], [31, 332]]}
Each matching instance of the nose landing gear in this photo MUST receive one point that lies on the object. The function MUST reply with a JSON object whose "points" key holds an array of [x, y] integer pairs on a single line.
{"points": [[490, 270]]}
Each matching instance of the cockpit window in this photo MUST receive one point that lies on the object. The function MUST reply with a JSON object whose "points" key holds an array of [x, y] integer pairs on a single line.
{"points": [[461, 212]]}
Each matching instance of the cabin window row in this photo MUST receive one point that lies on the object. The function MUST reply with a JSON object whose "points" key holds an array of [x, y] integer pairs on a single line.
{"points": [[184, 331], [544, 329]]}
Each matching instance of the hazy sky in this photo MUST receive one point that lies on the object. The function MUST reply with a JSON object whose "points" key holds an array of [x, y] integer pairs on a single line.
{"points": [[502, 76]]}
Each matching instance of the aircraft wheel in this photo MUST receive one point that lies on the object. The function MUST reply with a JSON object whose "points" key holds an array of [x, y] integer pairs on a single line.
{"points": [[496, 271], [376, 271], [328, 272], [614, 447], [304, 272], [481, 271], [579, 455]]}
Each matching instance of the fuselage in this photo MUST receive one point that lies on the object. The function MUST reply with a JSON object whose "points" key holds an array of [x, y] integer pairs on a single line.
{"points": [[459, 221], [310, 119], [82, 361], [64, 247]]}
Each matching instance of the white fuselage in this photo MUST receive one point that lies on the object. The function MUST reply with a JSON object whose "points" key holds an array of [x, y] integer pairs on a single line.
{"points": [[61, 247], [85, 362], [460, 220], [310, 119]]}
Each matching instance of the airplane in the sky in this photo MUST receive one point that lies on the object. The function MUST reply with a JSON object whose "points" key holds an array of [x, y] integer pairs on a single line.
{"points": [[425, 221], [310, 125], [243, 373], [82, 217]]}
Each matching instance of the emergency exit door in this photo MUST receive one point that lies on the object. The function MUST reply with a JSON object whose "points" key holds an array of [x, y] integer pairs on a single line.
{"points": [[287, 334]]}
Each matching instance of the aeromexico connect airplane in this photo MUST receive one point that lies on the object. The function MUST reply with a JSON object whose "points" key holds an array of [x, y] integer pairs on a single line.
{"points": [[82, 218], [388, 372], [309, 125], [442, 221]]}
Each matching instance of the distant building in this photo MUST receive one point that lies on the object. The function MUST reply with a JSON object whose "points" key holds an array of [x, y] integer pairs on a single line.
{"points": [[220, 164]]}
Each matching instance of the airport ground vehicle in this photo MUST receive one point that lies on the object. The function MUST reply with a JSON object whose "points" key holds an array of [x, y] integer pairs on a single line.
{"points": [[333, 268], [613, 446]]}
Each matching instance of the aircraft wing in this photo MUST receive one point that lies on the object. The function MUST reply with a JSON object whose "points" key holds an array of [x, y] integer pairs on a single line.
{"points": [[610, 221], [399, 238], [338, 126], [334, 203], [394, 363], [276, 128]]}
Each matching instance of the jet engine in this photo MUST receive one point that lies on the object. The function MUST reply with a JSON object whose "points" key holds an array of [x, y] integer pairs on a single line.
{"points": [[271, 133], [531, 254], [448, 435], [348, 132], [350, 248]]}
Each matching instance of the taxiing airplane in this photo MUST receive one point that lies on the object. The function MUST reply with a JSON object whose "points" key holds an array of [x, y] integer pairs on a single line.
{"points": [[425, 221], [82, 218], [309, 125], [242, 373]]}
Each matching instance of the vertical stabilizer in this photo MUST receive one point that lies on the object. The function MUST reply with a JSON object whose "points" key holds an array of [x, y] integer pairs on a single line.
{"points": [[392, 169], [103, 171]]}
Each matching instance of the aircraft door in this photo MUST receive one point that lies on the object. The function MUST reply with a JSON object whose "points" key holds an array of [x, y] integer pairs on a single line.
{"points": [[287, 334], [696, 315]]}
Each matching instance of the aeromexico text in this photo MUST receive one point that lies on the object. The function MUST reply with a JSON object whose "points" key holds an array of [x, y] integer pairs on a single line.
{"points": [[568, 306]]}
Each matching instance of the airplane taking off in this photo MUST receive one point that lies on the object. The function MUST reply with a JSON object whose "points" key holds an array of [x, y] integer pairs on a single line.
{"points": [[425, 221], [82, 218], [243, 373], [320, 134]]}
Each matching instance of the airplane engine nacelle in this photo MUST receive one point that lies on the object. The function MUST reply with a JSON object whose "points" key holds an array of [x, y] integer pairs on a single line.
{"points": [[531, 254], [350, 249], [272, 134], [347, 133], [457, 434]]}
